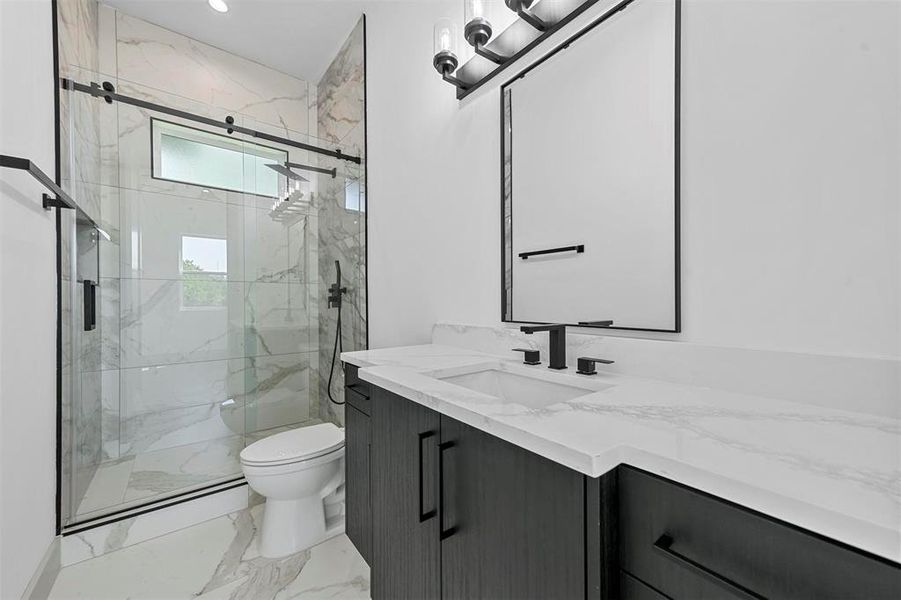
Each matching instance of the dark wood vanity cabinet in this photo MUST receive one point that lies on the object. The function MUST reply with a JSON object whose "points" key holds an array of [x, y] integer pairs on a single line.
{"points": [[456, 513], [440, 509], [683, 543], [513, 522], [358, 481], [358, 464]]}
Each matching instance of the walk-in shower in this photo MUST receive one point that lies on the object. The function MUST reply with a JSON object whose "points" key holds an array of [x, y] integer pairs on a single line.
{"points": [[200, 323]]}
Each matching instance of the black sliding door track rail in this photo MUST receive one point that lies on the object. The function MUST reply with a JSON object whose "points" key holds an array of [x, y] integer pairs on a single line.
{"points": [[107, 93], [62, 199]]}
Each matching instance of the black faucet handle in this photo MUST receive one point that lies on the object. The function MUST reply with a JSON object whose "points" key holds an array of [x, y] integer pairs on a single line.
{"points": [[586, 365], [530, 357]]}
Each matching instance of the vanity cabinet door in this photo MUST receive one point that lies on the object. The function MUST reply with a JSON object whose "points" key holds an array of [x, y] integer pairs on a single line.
{"points": [[512, 522], [356, 458], [405, 547]]}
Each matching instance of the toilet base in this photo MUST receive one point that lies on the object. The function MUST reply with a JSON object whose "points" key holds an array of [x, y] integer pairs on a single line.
{"points": [[290, 526]]}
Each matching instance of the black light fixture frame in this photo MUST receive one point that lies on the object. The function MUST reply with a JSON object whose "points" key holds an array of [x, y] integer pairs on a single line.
{"points": [[465, 88], [677, 59]]}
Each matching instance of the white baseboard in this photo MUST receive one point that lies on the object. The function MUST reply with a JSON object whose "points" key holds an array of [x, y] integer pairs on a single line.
{"points": [[45, 575], [110, 537]]}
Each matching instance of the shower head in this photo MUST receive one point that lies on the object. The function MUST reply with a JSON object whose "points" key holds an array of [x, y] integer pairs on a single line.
{"points": [[286, 172]]}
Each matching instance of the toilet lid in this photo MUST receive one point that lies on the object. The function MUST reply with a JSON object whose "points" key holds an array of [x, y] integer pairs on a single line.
{"points": [[296, 445]]}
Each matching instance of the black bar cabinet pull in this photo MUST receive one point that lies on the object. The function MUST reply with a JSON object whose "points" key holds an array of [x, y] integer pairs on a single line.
{"points": [[90, 305], [443, 533], [664, 546], [579, 249], [423, 516]]}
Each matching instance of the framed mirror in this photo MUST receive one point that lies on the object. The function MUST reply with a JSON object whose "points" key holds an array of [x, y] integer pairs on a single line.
{"points": [[590, 177]]}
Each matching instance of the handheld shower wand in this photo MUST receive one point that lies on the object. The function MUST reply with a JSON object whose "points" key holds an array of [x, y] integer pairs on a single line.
{"points": [[335, 291]]}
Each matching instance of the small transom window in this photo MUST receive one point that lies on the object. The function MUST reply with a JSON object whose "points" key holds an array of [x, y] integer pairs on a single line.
{"points": [[196, 157]]}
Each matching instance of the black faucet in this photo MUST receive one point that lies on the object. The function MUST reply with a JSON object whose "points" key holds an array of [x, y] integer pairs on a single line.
{"points": [[557, 342]]}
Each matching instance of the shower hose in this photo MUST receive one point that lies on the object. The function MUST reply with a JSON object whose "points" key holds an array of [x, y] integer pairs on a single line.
{"points": [[338, 345]]}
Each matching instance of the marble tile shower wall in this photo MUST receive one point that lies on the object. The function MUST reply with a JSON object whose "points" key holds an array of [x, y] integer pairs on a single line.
{"points": [[173, 375], [342, 227]]}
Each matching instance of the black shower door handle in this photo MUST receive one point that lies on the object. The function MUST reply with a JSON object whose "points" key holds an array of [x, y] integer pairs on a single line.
{"points": [[90, 305]]}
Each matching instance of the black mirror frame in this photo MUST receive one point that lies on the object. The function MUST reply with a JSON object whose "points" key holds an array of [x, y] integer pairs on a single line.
{"points": [[506, 213]]}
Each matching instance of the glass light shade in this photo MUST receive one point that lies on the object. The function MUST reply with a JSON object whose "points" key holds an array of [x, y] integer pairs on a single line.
{"points": [[516, 5], [474, 9], [445, 36]]}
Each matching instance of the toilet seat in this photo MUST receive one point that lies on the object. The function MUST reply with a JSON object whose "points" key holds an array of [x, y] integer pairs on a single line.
{"points": [[297, 445]]}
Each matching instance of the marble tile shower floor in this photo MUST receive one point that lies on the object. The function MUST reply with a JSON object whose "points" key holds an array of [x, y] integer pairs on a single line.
{"points": [[218, 559], [144, 476]]}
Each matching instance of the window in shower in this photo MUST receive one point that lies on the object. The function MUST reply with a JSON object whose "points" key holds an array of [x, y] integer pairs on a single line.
{"points": [[196, 157], [204, 269]]}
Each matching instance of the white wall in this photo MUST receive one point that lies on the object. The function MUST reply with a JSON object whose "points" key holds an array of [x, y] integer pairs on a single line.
{"points": [[790, 192], [27, 297]]}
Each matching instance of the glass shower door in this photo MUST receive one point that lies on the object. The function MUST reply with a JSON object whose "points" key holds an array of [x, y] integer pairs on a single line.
{"points": [[81, 373], [213, 329]]}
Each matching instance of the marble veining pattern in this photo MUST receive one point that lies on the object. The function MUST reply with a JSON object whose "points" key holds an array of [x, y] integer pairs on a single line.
{"points": [[216, 559], [831, 471], [155, 57], [341, 231]]}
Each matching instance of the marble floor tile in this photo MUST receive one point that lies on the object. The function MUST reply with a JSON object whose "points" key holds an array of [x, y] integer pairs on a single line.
{"points": [[107, 487], [215, 560], [149, 474], [183, 467]]}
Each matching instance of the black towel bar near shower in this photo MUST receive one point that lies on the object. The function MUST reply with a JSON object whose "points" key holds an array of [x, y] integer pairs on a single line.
{"points": [[62, 199], [578, 249]]}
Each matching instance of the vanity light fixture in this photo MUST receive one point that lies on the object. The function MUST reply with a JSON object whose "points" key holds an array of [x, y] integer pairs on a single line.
{"points": [[477, 30], [521, 8], [218, 5], [445, 60]]}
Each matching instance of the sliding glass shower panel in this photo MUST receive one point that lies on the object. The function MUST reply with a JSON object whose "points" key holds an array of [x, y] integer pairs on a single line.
{"points": [[209, 295]]}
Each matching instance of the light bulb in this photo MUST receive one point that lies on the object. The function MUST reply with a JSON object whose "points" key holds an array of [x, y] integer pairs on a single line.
{"points": [[473, 9], [445, 60], [476, 28], [445, 36]]}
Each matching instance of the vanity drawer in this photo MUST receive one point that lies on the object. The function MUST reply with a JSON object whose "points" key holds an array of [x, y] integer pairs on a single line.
{"points": [[357, 400], [688, 544], [353, 381], [631, 588]]}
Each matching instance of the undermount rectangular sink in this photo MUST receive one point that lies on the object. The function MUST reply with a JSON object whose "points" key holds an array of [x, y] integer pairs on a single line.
{"points": [[517, 388]]}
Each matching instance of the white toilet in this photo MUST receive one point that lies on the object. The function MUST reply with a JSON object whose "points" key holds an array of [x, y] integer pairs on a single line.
{"points": [[301, 474]]}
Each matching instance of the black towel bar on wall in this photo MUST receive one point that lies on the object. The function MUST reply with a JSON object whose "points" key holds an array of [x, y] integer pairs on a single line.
{"points": [[62, 199], [577, 249]]}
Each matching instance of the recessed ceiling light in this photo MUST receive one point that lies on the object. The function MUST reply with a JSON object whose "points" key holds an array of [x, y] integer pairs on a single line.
{"points": [[218, 5]]}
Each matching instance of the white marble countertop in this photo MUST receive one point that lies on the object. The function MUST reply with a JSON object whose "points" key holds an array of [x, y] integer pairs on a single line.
{"points": [[837, 473]]}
